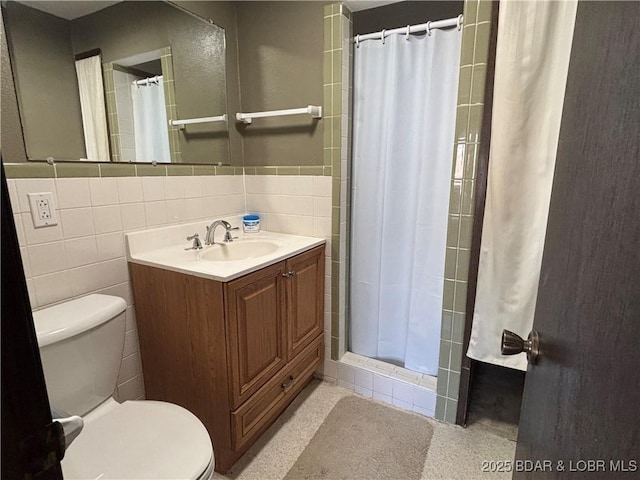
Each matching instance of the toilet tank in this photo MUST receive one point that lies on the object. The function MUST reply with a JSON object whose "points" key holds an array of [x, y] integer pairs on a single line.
{"points": [[81, 345]]}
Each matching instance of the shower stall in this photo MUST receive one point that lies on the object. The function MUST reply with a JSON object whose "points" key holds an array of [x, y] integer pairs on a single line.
{"points": [[405, 87]]}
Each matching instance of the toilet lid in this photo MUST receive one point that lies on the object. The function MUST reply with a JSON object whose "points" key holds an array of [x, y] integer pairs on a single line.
{"points": [[140, 440]]}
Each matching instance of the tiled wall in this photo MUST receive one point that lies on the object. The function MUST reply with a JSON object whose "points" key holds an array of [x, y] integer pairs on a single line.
{"points": [[85, 252], [473, 66], [337, 127]]}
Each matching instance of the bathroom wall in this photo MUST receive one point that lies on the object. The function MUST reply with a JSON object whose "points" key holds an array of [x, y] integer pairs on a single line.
{"points": [[85, 252], [402, 14], [280, 53], [45, 69], [12, 143]]}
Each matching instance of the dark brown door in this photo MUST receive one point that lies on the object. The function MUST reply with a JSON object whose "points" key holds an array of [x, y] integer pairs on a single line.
{"points": [[305, 293], [31, 443], [581, 403], [256, 335]]}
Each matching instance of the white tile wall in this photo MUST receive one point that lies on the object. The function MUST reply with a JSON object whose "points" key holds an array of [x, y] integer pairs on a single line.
{"points": [[85, 252]]}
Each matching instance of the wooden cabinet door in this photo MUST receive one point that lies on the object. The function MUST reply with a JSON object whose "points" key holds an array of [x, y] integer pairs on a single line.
{"points": [[256, 311], [305, 299]]}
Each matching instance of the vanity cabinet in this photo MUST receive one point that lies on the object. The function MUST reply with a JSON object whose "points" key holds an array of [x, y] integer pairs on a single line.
{"points": [[233, 353]]}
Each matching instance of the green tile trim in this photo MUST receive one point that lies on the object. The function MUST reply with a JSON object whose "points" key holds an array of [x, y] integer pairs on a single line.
{"points": [[304, 170], [151, 170], [474, 55], [441, 387], [455, 362], [483, 33], [464, 85], [446, 326], [122, 170], [453, 385], [179, 170], [327, 33], [484, 11], [468, 44], [70, 170], [288, 171], [440, 407], [266, 170], [335, 348], [335, 220], [204, 170], [470, 11], [451, 411], [250, 170], [225, 170], [327, 171], [29, 170], [477, 87], [457, 327]]}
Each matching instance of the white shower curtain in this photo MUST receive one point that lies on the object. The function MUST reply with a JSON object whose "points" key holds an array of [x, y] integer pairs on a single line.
{"points": [[532, 60], [94, 116], [404, 120], [150, 123]]}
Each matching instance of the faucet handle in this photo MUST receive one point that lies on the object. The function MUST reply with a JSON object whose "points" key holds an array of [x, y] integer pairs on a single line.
{"points": [[197, 244]]}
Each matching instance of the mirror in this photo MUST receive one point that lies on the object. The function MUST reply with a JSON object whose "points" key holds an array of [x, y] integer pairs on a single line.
{"points": [[115, 83]]}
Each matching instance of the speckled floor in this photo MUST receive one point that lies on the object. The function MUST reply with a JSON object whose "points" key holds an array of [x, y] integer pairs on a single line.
{"points": [[455, 452]]}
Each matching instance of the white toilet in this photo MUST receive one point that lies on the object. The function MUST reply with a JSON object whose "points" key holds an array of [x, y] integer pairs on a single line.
{"points": [[81, 345]]}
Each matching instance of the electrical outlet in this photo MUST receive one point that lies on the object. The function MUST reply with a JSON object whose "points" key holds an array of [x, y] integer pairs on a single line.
{"points": [[43, 212]]}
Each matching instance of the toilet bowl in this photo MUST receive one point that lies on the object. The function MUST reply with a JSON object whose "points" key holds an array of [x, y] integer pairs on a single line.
{"points": [[81, 344]]}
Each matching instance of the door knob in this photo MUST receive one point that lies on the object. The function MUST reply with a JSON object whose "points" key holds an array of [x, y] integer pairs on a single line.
{"points": [[513, 344]]}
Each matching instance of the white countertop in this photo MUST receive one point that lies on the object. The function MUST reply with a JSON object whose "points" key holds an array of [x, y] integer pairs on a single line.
{"points": [[165, 248]]}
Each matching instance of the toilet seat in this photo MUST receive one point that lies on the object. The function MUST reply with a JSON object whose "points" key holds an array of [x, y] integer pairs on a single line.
{"points": [[140, 440]]}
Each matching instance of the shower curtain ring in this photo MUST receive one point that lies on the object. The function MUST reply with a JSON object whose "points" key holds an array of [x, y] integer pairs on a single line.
{"points": [[382, 35], [460, 18], [408, 32], [429, 28]]}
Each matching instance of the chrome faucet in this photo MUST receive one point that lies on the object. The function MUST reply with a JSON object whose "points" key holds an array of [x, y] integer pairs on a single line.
{"points": [[211, 230]]}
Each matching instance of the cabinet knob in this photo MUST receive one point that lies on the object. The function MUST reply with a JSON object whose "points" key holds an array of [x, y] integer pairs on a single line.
{"points": [[289, 274], [286, 385]]}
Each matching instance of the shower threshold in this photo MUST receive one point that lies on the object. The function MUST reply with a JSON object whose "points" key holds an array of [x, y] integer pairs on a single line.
{"points": [[390, 370], [387, 383]]}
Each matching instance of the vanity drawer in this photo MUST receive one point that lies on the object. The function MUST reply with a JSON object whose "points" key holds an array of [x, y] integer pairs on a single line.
{"points": [[257, 413]]}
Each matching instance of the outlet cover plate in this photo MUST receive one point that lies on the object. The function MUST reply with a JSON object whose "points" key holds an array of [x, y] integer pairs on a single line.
{"points": [[43, 211]]}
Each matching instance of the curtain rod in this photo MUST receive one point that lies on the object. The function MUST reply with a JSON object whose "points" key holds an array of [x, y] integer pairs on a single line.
{"points": [[409, 29], [146, 81]]}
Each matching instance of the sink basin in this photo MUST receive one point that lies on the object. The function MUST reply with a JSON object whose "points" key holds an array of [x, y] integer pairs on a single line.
{"points": [[165, 248], [229, 252]]}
